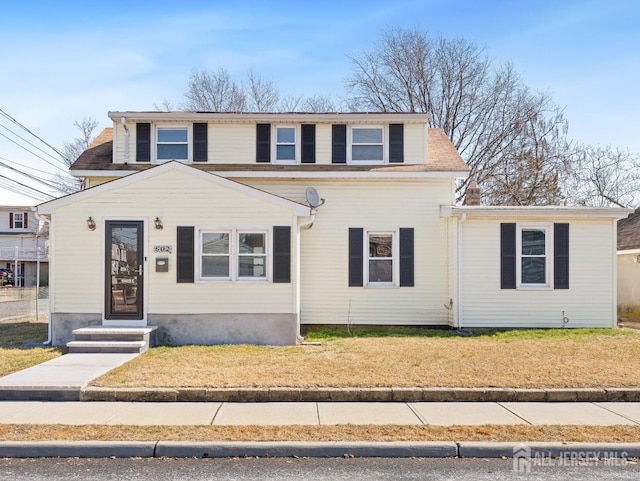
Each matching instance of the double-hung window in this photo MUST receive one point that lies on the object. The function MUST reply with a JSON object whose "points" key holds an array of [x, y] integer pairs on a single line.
{"points": [[381, 263], [18, 220], [216, 255], [172, 143], [534, 248], [233, 255], [367, 144], [252, 255], [286, 149]]}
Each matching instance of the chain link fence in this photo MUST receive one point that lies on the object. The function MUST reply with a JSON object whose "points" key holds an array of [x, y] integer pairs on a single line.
{"points": [[21, 302]]}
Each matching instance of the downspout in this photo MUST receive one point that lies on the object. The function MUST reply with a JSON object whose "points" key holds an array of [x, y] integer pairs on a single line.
{"points": [[123, 121], [462, 218], [308, 224], [42, 218]]}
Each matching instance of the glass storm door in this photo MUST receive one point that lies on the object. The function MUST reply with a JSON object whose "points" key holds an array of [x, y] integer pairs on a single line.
{"points": [[124, 270]]}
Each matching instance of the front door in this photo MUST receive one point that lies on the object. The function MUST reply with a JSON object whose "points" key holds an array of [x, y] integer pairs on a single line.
{"points": [[124, 271]]}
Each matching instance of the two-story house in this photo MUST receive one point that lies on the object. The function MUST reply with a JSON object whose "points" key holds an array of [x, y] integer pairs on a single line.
{"points": [[23, 245], [241, 227]]}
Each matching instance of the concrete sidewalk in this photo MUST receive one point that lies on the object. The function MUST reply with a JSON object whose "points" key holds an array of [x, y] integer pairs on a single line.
{"points": [[62, 378], [319, 413]]}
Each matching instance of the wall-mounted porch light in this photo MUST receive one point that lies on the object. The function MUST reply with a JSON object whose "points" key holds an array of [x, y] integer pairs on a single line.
{"points": [[158, 223], [91, 224]]}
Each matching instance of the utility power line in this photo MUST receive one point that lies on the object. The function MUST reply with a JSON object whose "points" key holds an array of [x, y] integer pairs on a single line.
{"points": [[34, 146], [6, 115]]}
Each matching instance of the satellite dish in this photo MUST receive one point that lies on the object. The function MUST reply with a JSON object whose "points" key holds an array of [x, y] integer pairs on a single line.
{"points": [[313, 198]]}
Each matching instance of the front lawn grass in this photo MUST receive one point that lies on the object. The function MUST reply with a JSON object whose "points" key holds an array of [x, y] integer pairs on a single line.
{"points": [[51, 432], [14, 335], [379, 357]]}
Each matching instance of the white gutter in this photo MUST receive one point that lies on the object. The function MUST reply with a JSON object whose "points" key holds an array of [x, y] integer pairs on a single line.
{"points": [[308, 225], [49, 340], [298, 174], [253, 117], [536, 211]]}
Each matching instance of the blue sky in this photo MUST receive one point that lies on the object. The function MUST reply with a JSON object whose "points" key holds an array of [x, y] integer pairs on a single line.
{"points": [[62, 60]]}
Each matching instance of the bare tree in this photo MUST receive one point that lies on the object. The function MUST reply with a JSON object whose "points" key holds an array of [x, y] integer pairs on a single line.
{"points": [[66, 183], [484, 109], [164, 106], [73, 149], [263, 94], [532, 169], [318, 104], [218, 92], [214, 92], [290, 103], [603, 176]]}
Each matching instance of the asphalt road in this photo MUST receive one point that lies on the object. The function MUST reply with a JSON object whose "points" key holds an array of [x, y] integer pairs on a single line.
{"points": [[307, 469]]}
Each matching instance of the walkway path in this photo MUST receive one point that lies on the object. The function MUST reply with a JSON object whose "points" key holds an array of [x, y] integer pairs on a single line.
{"points": [[319, 413]]}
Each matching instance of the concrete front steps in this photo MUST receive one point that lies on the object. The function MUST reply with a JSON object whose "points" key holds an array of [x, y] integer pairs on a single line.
{"points": [[112, 339]]}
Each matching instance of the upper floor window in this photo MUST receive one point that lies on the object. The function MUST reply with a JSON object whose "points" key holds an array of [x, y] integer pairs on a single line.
{"points": [[160, 143], [285, 144], [172, 143], [367, 144], [18, 220]]}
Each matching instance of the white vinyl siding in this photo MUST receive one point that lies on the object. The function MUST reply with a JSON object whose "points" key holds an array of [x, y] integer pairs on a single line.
{"points": [[236, 143], [376, 206], [589, 301], [78, 249]]}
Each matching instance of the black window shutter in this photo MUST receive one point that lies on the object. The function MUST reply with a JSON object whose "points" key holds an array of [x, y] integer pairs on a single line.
{"points": [[25, 218], [396, 143], [185, 248], [561, 256], [10, 220], [406, 257], [200, 146], [282, 254], [339, 144], [308, 143], [143, 142], [263, 142], [356, 259], [507, 256]]}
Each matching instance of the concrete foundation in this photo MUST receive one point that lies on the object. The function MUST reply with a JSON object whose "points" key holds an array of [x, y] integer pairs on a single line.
{"points": [[268, 329], [208, 329]]}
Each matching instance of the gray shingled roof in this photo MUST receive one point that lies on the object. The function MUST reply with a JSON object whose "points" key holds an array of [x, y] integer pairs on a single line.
{"points": [[629, 232]]}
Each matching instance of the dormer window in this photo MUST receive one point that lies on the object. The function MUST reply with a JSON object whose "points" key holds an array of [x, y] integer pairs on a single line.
{"points": [[367, 144], [165, 142], [286, 144], [172, 143]]}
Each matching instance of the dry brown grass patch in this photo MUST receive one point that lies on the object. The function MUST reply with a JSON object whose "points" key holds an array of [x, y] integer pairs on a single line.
{"points": [[23, 432], [529, 359]]}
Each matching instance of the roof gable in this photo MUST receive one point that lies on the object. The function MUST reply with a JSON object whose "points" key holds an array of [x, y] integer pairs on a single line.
{"points": [[629, 232], [50, 206]]}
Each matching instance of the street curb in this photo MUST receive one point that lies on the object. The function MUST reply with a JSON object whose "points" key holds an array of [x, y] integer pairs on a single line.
{"points": [[479, 449], [389, 394], [397, 449], [77, 449], [306, 449]]}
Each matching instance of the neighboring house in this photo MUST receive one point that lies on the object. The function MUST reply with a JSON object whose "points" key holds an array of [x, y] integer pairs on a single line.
{"points": [[204, 224], [22, 244], [629, 265]]}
